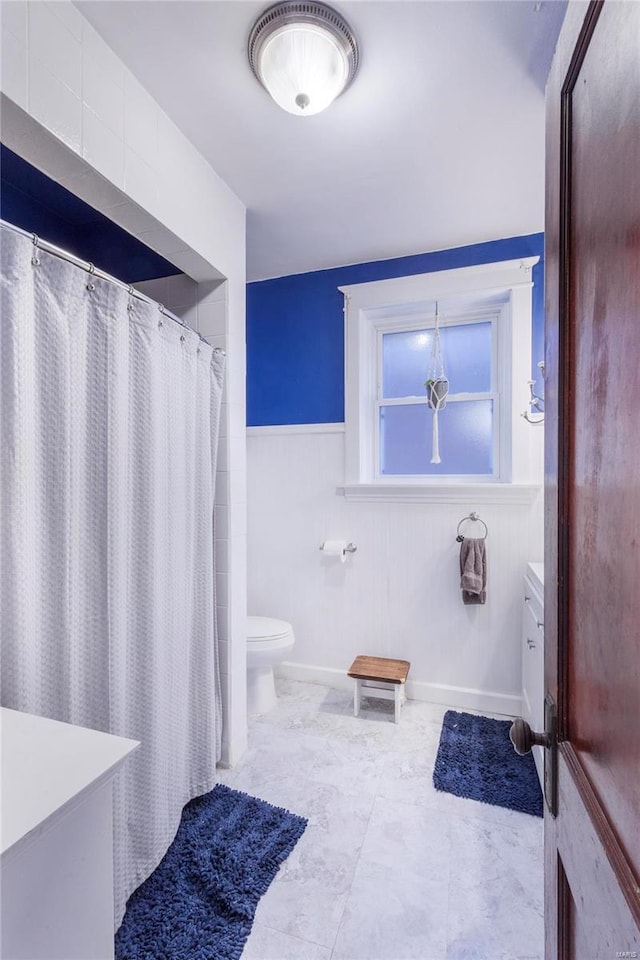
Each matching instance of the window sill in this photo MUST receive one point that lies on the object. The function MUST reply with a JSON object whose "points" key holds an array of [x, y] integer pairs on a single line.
{"points": [[468, 493]]}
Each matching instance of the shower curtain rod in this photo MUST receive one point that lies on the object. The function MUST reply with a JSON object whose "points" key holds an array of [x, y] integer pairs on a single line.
{"points": [[55, 251]]}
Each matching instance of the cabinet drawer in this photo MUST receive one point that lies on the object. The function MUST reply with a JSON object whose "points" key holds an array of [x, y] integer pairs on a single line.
{"points": [[533, 601], [533, 616]]}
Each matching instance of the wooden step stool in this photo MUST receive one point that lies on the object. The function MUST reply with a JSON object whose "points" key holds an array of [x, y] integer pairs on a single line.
{"points": [[379, 677]]}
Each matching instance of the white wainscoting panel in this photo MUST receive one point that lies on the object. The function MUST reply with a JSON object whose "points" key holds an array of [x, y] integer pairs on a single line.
{"points": [[398, 595]]}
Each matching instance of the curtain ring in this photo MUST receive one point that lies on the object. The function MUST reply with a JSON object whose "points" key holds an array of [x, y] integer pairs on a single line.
{"points": [[91, 268], [182, 338]]}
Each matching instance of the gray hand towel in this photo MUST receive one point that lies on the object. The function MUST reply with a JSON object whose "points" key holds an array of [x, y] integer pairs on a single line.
{"points": [[473, 570]]}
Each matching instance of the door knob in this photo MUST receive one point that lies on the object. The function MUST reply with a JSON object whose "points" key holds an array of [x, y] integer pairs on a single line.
{"points": [[523, 737]]}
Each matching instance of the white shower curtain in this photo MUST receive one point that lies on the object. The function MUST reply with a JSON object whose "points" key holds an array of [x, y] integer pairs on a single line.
{"points": [[109, 430]]}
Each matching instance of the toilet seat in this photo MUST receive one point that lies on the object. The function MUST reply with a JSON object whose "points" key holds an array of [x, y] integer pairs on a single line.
{"points": [[268, 631]]}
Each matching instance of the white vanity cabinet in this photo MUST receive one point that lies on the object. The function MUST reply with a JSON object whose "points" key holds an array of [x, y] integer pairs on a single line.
{"points": [[533, 654], [56, 851]]}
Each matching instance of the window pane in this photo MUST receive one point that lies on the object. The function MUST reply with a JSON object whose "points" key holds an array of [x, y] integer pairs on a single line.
{"points": [[405, 361], [466, 439], [467, 357], [466, 348]]}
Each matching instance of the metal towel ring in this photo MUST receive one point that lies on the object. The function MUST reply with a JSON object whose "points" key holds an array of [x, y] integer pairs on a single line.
{"points": [[476, 519]]}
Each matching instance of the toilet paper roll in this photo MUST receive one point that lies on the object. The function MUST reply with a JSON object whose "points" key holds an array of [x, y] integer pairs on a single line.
{"points": [[335, 548]]}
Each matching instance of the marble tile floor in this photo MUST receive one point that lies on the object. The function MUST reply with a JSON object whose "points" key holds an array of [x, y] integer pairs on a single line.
{"points": [[388, 868]]}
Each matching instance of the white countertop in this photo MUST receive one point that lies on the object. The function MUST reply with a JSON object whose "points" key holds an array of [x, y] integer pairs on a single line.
{"points": [[46, 766], [536, 573]]}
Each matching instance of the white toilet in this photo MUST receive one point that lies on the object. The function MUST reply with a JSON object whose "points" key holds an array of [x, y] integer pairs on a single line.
{"points": [[268, 643]]}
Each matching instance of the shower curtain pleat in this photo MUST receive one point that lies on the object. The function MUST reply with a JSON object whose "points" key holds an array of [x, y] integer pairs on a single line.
{"points": [[109, 429]]}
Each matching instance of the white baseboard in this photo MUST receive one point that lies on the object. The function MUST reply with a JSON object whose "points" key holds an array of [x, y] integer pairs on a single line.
{"points": [[466, 698]]}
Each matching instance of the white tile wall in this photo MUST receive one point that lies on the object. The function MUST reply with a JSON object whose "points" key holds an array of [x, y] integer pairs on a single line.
{"points": [[53, 60], [101, 135], [222, 587], [55, 106], [398, 595], [55, 47], [101, 147], [14, 20], [222, 487], [212, 318], [223, 623], [223, 658], [222, 517], [140, 120], [104, 97], [222, 553], [68, 15], [214, 291], [96, 51], [95, 189], [140, 179], [14, 68]]}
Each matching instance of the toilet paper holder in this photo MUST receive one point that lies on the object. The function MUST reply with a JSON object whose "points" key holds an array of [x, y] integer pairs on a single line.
{"points": [[350, 547]]}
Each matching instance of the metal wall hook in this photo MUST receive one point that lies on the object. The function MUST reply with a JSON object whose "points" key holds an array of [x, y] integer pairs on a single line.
{"points": [[536, 403]]}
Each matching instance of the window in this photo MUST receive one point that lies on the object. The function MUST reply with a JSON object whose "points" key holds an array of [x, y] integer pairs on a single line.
{"points": [[469, 422], [485, 329]]}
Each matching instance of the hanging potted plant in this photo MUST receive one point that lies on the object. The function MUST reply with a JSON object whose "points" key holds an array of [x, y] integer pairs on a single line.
{"points": [[437, 390], [437, 387]]}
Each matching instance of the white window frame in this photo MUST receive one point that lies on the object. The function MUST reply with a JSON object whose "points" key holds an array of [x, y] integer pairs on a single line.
{"points": [[500, 291]]}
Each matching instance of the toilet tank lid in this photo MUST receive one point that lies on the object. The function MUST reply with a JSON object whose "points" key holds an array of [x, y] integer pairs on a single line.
{"points": [[259, 628]]}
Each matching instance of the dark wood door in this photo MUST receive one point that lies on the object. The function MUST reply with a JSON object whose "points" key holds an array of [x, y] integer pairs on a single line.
{"points": [[592, 482]]}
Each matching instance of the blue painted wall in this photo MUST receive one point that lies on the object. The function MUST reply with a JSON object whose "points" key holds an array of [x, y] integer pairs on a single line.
{"points": [[38, 204], [295, 330]]}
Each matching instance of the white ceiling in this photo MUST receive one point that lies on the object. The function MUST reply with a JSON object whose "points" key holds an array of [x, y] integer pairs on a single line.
{"points": [[439, 142]]}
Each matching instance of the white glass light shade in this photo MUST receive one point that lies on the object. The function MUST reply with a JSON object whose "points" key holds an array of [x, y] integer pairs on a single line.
{"points": [[303, 67]]}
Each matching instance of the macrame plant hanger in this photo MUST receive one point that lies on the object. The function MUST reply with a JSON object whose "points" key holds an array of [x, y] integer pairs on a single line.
{"points": [[437, 387]]}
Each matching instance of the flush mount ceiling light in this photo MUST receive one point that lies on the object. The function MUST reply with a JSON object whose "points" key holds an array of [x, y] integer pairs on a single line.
{"points": [[304, 54]]}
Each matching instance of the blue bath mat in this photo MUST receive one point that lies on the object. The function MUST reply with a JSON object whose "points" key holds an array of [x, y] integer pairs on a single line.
{"points": [[476, 760], [200, 902]]}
